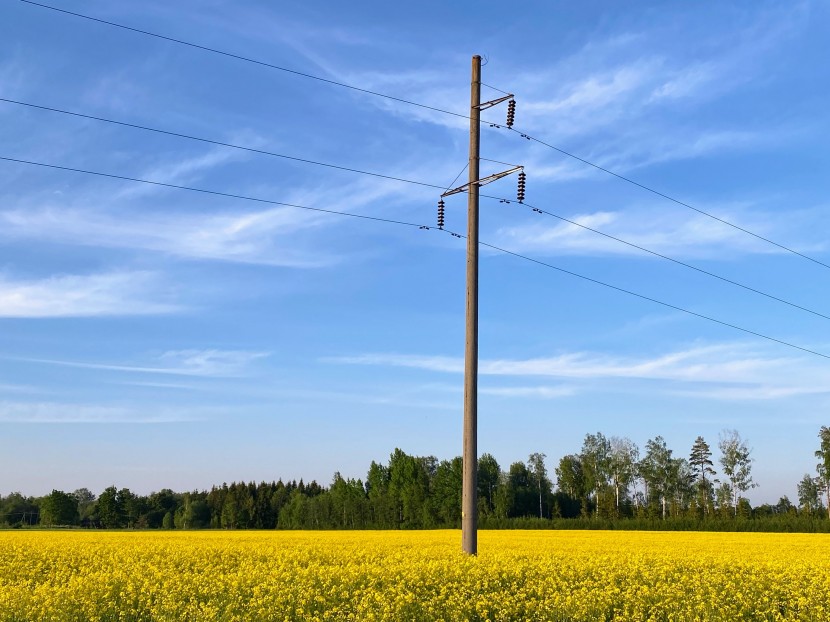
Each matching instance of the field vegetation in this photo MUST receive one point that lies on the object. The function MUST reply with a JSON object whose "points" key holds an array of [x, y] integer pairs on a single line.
{"points": [[83, 576]]}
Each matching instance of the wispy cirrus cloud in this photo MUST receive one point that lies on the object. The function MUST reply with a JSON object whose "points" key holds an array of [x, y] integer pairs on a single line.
{"points": [[104, 294], [219, 230], [539, 392], [725, 371], [180, 171], [207, 363], [240, 236], [676, 234], [617, 101], [58, 412], [18, 388]]}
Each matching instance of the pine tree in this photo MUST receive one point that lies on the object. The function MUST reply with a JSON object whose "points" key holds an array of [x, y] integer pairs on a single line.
{"points": [[701, 462]]}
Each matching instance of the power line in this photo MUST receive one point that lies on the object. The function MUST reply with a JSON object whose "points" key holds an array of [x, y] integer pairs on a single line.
{"points": [[410, 181], [677, 261], [654, 300], [214, 142], [245, 58], [667, 197], [435, 109], [425, 227], [204, 191]]}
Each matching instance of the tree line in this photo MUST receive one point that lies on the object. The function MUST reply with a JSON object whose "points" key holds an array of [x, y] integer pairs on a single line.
{"points": [[609, 483]]}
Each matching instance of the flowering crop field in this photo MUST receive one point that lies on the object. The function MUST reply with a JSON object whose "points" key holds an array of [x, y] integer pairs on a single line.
{"points": [[419, 575]]}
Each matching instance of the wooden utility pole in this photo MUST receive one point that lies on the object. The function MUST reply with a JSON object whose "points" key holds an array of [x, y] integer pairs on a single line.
{"points": [[469, 498]]}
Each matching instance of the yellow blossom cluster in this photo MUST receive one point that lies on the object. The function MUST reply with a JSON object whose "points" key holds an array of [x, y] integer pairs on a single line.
{"points": [[518, 575]]}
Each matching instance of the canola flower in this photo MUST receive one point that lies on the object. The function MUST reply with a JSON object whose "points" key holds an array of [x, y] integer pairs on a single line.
{"points": [[518, 575]]}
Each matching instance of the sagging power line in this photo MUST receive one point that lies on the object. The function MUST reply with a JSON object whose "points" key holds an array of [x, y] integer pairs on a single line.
{"points": [[441, 211], [521, 133], [420, 226]]}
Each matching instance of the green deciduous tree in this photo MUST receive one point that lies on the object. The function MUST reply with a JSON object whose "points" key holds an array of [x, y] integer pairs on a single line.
{"points": [[17, 510], [409, 486], [86, 502], [595, 457], [571, 480], [539, 474], [521, 491], [808, 494], [489, 473], [622, 467], [659, 471], [109, 509], [58, 508], [823, 466], [737, 464], [446, 491], [349, 502], [380, 502]]}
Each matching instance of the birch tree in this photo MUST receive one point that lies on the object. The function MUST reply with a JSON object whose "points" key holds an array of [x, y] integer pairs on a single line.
{"points": [[737, 464], [658, 470], [622, 462], [595, 456], [823, 467], [536, 465], [808, 494]]}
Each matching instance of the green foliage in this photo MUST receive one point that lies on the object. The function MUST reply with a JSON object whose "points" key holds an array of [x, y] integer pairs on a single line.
{"points": [[489, 477], [823, 466], [110, 511], [18, 511], [571, 477], [59, 508], [700, 461], [167, 521], [737, 464], [808, 494], [604, 486]]}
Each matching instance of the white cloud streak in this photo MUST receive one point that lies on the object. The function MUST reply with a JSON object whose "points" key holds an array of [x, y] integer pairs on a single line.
{"points": [[678, 234], [275, 236], [207, 363], [246, 237], [106, 294], [728, 371], [529, 392], [56, 412], [181, 171]]}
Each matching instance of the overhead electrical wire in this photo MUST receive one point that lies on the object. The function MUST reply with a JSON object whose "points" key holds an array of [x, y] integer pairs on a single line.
{"points": [[676, 261], [245, 58], [654, 300], [419, 183], [435, 109], [669, 198], [204, 191], [423, 227], [214, 142]]}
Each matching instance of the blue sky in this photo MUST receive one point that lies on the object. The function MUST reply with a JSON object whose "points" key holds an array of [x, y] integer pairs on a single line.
{"points": [[153, 337]]}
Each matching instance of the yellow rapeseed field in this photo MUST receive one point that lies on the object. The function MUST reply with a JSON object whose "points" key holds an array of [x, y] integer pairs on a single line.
{"points": [[519, 575]]}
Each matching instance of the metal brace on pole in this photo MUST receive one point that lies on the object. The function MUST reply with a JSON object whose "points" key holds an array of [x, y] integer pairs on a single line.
{"points": [[494, 102], [483, 181]]}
